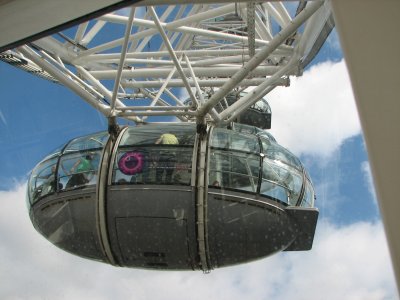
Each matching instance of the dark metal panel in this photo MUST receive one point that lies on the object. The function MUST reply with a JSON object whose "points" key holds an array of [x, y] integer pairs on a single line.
{"points": [[244, 229], [68, 220], [148, 224], [148, 242], [304, 224]]}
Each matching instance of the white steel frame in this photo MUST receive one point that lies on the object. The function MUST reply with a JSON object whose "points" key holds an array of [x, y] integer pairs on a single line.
{"points": [[201, 48]]}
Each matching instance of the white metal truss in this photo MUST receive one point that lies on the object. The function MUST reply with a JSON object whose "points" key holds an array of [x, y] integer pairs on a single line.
{"points": [[180, 59]]}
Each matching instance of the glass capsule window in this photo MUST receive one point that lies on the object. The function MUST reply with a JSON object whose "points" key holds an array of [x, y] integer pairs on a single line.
{"points": [[276, 152], [309, 197], [72, 166], [262, 106], [155, 154], [244, 159], [78, 169], [79, 164], [55, 153], [281, 182], [231, 140], [234, 159], [234, 170], [243, 128], [42, 180], [150, 134], [94, 141], [266, 135], [237, 162]]}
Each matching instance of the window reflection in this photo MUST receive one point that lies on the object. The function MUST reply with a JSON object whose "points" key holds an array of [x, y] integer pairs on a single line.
{"points": [[308, 199], [236, 171], [94, 141], [75, 166], [281, 182], [155, 155], [79, 169], [228, 139], [153, 165], [233, 166], [236, 161], [276, 152], [43, 180], [149, 134]]}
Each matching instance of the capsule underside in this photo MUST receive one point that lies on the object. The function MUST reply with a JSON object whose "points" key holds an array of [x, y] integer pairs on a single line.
{"points": [[208, 201]]}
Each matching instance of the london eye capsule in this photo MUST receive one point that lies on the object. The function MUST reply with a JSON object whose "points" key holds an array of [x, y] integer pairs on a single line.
{"points": [[171, 196], [259, 114]]}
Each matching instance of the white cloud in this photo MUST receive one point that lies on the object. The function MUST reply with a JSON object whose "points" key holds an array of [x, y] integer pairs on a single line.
{"points": [[350, 262], [317, 113]]}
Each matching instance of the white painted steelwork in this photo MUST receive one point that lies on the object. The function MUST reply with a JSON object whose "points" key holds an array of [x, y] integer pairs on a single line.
{"points": [[160, 55]]}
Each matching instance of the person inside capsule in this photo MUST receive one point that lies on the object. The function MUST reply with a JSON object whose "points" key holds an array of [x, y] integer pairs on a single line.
{"points": [[82, 171], [48, 184], [167, 158]]}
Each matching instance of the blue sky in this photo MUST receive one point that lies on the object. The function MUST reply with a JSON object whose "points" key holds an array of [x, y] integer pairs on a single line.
{"points": [[315, 117], [37, 117]]}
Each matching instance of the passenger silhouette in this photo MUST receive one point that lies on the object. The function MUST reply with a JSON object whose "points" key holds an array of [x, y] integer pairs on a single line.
{"points": [[80, 171], [167, 158]]}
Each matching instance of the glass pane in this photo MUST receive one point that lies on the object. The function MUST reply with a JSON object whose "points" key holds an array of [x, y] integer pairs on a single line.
{"points": [[243, 128], [150, 134], [273, 190], [247, 129], [234, 170], [93, 141], [266, 135], [153, 165], [42, 180], [79, 169], [55, 153], [281, 182], [262, 106], [228, 139], [276, 152], [308, 198]]}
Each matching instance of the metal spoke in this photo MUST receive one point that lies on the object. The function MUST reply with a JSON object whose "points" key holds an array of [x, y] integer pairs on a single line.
{"points": [[181, 59]]}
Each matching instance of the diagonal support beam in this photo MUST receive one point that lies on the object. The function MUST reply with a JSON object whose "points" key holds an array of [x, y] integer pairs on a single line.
{"points": [[64, 79], [107, 94], [122, 59], [172, 54], [258, 58], [253, 96]]}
